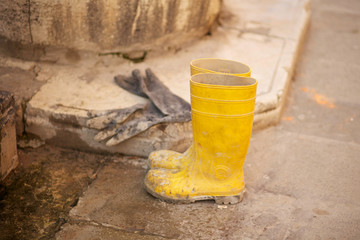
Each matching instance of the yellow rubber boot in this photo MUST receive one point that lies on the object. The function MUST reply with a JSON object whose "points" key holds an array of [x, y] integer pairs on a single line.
{"points": [[174, 160], [222, 108]]}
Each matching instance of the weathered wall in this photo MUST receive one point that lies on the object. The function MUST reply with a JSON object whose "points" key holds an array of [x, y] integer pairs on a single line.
{"points": [[105, 25], [8, 150]]}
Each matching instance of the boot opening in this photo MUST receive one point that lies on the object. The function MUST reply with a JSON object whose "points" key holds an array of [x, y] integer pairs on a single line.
{"points": [[222, 80], [221, 66]]}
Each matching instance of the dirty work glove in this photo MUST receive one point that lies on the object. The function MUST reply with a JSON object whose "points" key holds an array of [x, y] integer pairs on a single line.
{"points": [[163, 107], [103, 119], [152, 88]]}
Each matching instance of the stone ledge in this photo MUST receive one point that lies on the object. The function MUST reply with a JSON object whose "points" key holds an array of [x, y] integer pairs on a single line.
{"points": [[89, 85], [65, 132]]}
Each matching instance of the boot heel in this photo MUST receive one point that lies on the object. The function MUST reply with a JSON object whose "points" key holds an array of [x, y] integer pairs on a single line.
{"points": [[230, 199]]}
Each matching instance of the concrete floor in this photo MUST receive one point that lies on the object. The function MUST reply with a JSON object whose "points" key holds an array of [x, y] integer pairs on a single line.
{"points": [[302, 176]]}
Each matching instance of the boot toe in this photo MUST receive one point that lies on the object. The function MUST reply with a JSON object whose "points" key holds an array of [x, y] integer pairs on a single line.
{"points": [[166, 184], [164, 159]]}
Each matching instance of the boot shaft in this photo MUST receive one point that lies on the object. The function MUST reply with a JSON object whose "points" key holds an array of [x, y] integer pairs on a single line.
{"points": [[222, 117]]}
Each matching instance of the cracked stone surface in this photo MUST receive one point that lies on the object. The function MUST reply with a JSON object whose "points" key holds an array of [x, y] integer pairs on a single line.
{"points": [[269, 44], [36, 197]]}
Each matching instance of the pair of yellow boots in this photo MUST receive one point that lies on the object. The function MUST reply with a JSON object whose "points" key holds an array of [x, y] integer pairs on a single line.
{"points": [[222, 108]]}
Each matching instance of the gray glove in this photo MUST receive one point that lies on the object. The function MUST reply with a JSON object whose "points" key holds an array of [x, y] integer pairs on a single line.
{"points": [[163, 106]]}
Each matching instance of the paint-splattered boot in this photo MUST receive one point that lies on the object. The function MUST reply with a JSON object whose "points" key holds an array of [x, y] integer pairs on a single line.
{"points": [[222, 116], [173, 160]]}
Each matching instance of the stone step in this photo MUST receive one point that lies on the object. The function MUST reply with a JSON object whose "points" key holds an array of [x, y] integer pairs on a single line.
{"points": [[266, 35]]}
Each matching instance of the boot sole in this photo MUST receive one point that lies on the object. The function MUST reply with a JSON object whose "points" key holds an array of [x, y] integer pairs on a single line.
{"points": [[221, 200]]}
